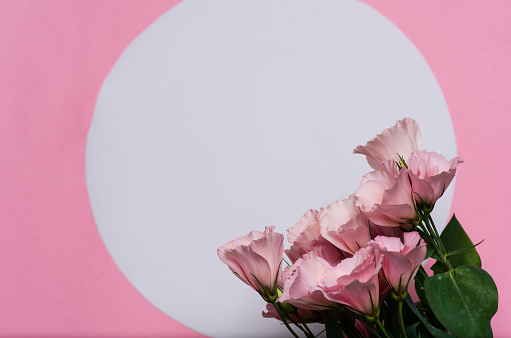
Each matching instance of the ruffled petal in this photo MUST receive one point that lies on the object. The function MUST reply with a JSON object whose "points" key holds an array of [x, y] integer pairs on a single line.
{"points": [[345, 226], [403, 138]]}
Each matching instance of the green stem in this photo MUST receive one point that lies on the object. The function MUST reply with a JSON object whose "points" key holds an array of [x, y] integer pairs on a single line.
{"points": [[437, 242], [428, 215], [432, 234], [277, 307], [382, 329], [400, 317], [373, 330], [307, 332], [304, 324], [436, 232], [424, 229]]}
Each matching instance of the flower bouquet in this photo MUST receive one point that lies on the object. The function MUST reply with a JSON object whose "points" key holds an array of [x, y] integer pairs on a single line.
{"points": [[352, 264]]}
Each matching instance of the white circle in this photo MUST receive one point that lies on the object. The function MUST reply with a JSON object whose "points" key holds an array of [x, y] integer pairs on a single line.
{"points": [[226, 116]]}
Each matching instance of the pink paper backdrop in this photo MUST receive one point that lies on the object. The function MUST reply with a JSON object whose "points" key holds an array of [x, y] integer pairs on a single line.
{"points": [[57, 277]]}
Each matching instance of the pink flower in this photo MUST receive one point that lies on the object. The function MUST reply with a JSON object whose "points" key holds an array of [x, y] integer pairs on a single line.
{"points": [[255, 259], [328, 252], [403, 139], [354, 281], [302, 289], [386, 199], [345, 226], [430, 174], [304, 235], [323, 249], [294, 253], [400, 260]]}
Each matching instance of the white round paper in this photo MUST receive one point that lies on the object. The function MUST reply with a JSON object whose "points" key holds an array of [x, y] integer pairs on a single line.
{"points": [[226, 116]]}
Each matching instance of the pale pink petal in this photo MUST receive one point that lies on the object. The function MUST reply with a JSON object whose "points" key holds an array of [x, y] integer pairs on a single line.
{"points": [[301, 288], [415, 249], [294, 253], [252, 265], [403, 139], [354, 282], [400, 193], [431, 174], [386, 199], [385, 204], [397, 269], [345, 226], [372, 188], [329, 252], [358, 296], [389, 243], [413, 130], [379, 176], [255, 259], [306, 232], [439, 183], [391, 215], [411, 240], [400, 259], [423, 191], [271, 247]]}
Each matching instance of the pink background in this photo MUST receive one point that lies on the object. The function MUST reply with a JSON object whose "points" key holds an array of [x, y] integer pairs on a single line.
{"points": [[57, 277]]}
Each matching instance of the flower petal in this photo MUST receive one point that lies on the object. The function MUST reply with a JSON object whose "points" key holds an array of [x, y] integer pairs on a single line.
{"points": [[403, 138]]}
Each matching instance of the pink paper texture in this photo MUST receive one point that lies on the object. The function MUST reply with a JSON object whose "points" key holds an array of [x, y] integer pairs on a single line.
{"points": [[57, 276]]}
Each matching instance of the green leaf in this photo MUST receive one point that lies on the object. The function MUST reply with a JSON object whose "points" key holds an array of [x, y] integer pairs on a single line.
{"points": [[439, 267], [455, 239], [435, 332], [332, 326], [464, 300], [411, 331], [417, 330], [457, 252], [429, 252]]}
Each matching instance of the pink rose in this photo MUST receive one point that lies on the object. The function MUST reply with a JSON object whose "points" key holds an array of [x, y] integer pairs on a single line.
{"points": [[354, 282], [400, 260], [302, 289], [345, 226], [387, 199], [403, 139], [430, 174], [255, 259]]}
